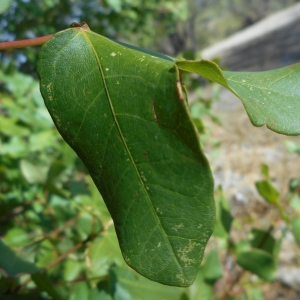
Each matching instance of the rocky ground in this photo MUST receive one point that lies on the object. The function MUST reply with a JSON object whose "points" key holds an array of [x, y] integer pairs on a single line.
{"points": [[236, 166]]}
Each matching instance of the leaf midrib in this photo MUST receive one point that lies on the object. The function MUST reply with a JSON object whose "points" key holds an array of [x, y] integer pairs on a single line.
{"points": [[127, 149]]}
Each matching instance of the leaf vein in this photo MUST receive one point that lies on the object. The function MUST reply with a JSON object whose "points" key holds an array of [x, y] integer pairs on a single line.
{"points": [[127, 149]]}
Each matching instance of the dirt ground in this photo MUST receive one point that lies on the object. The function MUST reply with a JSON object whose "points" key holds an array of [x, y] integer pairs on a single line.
{"points": [[237, 166]]}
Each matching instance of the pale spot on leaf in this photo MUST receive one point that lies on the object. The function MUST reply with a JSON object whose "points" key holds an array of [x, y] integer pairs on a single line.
{"points": [[176, 227], [183, 253]]}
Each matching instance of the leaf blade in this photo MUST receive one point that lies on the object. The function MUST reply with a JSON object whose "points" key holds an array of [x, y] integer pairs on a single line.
{"points": [[271, 98], [126, 122]]}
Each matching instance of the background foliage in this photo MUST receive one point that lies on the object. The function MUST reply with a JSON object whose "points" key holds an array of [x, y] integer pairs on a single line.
{"points": [[51, 215]]}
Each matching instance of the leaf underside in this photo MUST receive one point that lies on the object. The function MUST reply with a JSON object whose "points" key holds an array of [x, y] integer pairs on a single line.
{"points": [[120, 110], [271, 98]]}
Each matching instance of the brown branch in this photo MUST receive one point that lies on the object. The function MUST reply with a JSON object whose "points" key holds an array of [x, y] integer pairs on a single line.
{"points": [[59, 259], [54, 234], [64, 255], [25, 43]]}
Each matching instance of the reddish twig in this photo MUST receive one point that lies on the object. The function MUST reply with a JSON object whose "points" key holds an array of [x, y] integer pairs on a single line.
{"points": [[25, 43], [64, 255]]}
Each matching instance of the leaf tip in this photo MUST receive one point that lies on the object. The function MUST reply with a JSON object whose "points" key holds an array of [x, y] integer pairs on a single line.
{"points": [[81, 25]]}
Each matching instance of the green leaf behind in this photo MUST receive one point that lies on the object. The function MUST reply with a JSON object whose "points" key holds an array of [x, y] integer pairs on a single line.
{"points": [[270, 97]]}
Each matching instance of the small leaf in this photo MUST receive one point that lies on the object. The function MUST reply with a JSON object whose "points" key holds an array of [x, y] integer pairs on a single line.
{"points": [[57, 175], [295, 203], [47, 253], [87, 225], [294, 184], [80, 291], [41, 140], [9, 127], [292, 147], [265, 171], [258, 262], [296, 229], [267, 191], [116, 5], [270, 97], [72, 269], [254, 293], [121, 110], [15, 148], [33, 172], [17, 237], [263, 240]]}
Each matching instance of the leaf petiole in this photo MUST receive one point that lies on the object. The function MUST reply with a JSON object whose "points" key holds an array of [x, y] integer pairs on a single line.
{"points": [[25, 43]]}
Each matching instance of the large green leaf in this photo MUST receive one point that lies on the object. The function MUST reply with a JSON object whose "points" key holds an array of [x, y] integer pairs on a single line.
{"points": [[121, 110], [271, 97]]}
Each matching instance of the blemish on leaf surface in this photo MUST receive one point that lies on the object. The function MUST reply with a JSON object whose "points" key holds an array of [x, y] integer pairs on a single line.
{"points": [[183, 253]]}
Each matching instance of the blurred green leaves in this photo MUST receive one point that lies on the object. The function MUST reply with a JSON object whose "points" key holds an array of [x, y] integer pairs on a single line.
{"points": [[38, 173], [4, 5]]}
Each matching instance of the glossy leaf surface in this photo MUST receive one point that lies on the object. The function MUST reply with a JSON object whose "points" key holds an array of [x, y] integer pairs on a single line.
{"points": [[120, 110], [271, 97]]}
